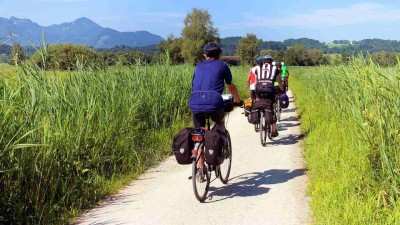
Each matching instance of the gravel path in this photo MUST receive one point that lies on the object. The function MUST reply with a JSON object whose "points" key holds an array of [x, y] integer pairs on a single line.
{"points": [[267, 185]]}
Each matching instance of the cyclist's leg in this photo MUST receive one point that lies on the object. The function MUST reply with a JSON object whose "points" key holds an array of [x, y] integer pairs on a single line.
{"points": [[285, 83], [199, 121], [274, 131], [253, 95], [218, 117], [277, 91]]}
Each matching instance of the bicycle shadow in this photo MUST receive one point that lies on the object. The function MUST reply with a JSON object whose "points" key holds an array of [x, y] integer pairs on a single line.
{"points": [[286, 140], [289, 110], [284, 126], [251, 184], [291, 118]]}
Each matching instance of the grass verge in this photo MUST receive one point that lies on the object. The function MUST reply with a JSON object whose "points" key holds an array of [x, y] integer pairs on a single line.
{"points": [[350, 117]]}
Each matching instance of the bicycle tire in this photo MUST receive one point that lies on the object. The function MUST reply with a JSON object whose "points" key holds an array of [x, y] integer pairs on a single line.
{"points": [[278, 110], [263, 129], [200, 189], [224, 169], [257, 127], [269, 131]]}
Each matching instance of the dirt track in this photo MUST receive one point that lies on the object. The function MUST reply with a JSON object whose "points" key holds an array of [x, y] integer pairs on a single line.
{"points": [[267, 185]]}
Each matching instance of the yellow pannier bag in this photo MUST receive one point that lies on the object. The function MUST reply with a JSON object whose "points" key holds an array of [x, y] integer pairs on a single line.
{"points": [[248, 106]]}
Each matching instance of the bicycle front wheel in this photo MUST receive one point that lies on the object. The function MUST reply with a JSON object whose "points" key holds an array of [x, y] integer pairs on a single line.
{"points": [[200, 181], [263, 129], [224, 169]]}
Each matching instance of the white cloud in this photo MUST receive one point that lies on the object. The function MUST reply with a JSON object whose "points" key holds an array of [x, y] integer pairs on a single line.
{"points": [[355, 14]]}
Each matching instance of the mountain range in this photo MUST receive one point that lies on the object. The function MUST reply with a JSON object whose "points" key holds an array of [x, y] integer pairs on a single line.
{"points": [[82, 31]]}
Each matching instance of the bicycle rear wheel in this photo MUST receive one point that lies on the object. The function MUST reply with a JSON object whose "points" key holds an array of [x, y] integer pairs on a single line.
{"points": [[224, 169], [263, 129], [278, 110], [257, 127], [200, 181]]}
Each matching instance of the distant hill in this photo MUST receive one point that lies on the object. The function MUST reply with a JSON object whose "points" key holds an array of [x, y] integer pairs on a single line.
{"points": [[82, 31]]}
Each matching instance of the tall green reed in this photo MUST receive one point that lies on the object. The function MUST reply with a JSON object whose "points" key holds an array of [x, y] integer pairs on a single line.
{"points": [[63, 137], [67, 136], [351, 116]]}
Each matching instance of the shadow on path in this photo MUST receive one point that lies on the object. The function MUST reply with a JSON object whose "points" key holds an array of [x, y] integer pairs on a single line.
{"points": [[289, 110], [250, 184], [290, 139]]}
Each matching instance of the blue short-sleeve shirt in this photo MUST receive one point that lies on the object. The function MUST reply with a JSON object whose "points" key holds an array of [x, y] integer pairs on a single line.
{"points": [[208, 84]]}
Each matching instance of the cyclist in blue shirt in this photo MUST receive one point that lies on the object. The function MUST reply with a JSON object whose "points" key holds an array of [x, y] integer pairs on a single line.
{"points": [[209, 79]]}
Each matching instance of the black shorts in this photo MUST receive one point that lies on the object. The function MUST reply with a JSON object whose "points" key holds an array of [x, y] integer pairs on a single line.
{"points": [[199, 118], [270, 94]]}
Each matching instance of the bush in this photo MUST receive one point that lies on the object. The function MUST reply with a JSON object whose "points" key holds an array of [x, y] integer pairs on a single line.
{"points": [[66, 57]]}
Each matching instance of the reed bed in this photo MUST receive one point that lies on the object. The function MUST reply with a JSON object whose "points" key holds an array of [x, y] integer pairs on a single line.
{"points": [[350, 115], [70, 139]]}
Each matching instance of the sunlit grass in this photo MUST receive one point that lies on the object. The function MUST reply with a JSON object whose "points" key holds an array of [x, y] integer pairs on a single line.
{"points": [[68, 139], [351, 117]]}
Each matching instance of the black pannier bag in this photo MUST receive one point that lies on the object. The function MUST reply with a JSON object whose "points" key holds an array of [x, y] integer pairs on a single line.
{"points": [[254, 117], [267, 106], [182, 146], [214, 147]]}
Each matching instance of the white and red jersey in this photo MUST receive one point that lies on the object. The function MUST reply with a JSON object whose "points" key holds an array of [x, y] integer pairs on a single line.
{"points": [[253, 74]]}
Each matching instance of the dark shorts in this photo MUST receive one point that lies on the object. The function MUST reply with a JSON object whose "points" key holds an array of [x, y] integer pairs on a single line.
{"points": [[253, 94], [270, 94], [199, 118]]}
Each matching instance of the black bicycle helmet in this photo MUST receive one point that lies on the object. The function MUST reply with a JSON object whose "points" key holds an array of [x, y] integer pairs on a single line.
{"points": [[212, 49], [268, 57]]}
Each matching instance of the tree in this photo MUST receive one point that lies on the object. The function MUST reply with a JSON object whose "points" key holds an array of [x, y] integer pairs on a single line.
{"points": [[315, 57], [172, 49], [384, 58], [66, 57], [229, 45], [247, 49], [17, 55], [296, 56], [346, 57], [198, 30], [274, 45]]}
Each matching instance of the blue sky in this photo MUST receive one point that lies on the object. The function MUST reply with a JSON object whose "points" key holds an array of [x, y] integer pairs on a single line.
{"points": [[269, 20]]}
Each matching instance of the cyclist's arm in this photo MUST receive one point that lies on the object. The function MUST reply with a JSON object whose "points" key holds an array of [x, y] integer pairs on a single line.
{"points": [[248, 79], [234, 92], [279, 80], [231, 86]]}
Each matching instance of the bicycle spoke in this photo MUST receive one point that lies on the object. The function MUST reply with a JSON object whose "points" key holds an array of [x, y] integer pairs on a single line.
{"points": [[225, 168], [200, 181]]}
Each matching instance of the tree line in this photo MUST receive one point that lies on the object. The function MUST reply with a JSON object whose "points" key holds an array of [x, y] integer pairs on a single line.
{"points": [[197, 31]]}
